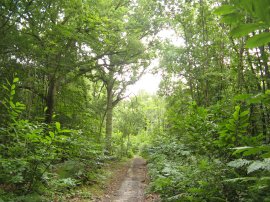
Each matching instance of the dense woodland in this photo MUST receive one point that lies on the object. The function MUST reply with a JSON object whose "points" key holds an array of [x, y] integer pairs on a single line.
{"points": [[66, 65]]}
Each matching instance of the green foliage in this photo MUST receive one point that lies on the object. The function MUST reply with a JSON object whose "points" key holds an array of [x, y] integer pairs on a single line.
{"points": [[13, 108], [179, 175], [234, 131], [194, 127], [259, 165], [257, 180], [257, 11], [262, 151], [252, 165], [217, 112], [206, 136], [31, 151], [258, 40], [63, 184], [244, 29]]}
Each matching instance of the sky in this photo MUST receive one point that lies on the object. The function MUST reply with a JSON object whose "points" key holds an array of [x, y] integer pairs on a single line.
{"points": [[150, 82]]}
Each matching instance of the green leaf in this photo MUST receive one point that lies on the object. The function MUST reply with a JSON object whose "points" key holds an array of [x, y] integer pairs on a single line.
{"points": [[245, 29], [8, 82], [15, 80], [6, 88], [242, 97], [51, 134], [256, 99], [18, 104], [251, 151], [33, 137], [244, 113], [237, 108], [12, 105], [66, 131], [224, 10], [266, 155], [244, 125], [236, 113], [230, 127], [45, 109], [261, 10], [58, 126], [247, 5], [49, 139], [12, 92], [233, 18], [243, 179], [241, 149], [258, 40]]}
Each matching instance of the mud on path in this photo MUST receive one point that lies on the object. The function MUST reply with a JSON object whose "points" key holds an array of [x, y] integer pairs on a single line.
{"points": [[133, 185]]}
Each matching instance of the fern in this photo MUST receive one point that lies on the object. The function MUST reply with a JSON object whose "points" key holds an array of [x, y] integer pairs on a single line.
{"points": [[263, 151], [241, 179], [238, 163], [259, 165]]}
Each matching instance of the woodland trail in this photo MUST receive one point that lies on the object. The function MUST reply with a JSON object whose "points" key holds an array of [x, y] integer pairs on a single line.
{"points": [[132, 187]]}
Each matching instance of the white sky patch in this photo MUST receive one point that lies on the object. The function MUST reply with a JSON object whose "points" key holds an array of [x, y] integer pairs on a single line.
{"points": [[149, 82], [171, 36]]}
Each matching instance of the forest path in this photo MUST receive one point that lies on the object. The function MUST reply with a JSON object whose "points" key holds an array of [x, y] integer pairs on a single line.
{"points": [[133, 185]]}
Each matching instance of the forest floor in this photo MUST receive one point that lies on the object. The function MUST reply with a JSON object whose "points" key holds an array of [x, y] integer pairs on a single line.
{"points": [[128, 183]]}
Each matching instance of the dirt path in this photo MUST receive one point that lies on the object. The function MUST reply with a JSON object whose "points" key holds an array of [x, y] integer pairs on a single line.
{"points": [[132, 188]]}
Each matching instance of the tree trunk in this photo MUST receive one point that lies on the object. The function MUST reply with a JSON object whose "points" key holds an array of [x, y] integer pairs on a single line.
{"points": [[264, 58], [109, 115], [240, 69], [50, 99]]}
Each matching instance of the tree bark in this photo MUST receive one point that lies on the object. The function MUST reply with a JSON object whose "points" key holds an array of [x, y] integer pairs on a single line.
{"points": [[265, 64], [50, 100], [109, 115]]}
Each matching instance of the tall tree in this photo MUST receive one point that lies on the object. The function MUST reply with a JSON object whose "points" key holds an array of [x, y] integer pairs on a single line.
{"points": [[125, 56]]}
